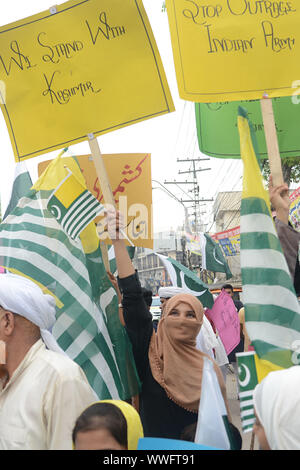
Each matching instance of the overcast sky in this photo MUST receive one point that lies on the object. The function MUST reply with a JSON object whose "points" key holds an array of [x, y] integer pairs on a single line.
{"points": [[167, 137]]}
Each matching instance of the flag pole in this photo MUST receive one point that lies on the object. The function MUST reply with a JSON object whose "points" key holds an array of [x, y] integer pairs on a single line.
{"points": [[103, 180], [271, 140]]}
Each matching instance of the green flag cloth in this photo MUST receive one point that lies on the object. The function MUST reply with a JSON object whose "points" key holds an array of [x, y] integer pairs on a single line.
{"points": [[21, 185], [183, 277], [212, 256], [247, 382], [218, 134], [272, 312], [87, 325]]}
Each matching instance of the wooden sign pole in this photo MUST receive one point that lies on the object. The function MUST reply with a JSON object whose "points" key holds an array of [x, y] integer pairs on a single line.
{"points": [[271, 141], [105, 186], [101, 171]]}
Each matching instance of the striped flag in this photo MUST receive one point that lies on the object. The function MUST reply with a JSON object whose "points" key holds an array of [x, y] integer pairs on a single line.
{"points": [[251, 372], [73, 206], [247, 382], [185, 278], [87, 328], [272, 313]]}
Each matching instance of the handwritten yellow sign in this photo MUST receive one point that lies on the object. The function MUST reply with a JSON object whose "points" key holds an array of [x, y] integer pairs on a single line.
{"points": [[130, 179], [83, 67], [229, 50]]}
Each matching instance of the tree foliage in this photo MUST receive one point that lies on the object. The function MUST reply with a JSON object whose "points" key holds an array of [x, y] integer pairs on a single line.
{"points": [[290, 169]]}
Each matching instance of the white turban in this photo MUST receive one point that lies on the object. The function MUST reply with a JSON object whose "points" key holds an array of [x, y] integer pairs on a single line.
{"points": [[277, 405], [21, 296], [168, 292]]}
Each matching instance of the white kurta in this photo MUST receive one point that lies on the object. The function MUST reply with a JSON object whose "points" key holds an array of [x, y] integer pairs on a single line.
{"points": [[41, 402]]}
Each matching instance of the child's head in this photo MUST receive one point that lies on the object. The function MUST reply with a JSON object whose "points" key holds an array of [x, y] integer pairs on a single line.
{"points": [[107, 425]]}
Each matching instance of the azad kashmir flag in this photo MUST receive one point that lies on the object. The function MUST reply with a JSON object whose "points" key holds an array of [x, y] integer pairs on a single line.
{"points": [[213, 428], [88, 329], [212, 256], [73, 206], [183, 277], [272, 314]]}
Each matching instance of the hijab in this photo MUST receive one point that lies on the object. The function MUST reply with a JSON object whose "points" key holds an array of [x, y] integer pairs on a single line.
{"points": [[277, 405], [175, 362], [133, 421]]}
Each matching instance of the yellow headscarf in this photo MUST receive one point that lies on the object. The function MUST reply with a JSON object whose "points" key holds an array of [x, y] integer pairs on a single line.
{"points": [[134, 425]]}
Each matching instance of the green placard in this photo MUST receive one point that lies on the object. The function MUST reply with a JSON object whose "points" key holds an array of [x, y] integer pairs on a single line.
{"points": [[218, 134]]}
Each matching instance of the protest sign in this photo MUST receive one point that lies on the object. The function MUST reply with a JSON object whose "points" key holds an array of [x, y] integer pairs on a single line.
{"points": [[83, 67], [226, 320], [218, 134], [229, 240], [130, 179], [235, 49], [294, 216]]}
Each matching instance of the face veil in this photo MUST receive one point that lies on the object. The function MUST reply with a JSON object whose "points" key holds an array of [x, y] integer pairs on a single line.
{"points": [[175, 362]]}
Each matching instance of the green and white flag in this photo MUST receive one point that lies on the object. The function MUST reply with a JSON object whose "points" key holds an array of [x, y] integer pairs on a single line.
{"points": [[88, 329], [212, 256], [21, 185], [73, 206], [213, 428], [247, 382], [272, 313], [185, 278]]}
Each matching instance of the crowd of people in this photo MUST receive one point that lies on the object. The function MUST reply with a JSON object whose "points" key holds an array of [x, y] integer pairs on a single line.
{"points": [[47, 403]]}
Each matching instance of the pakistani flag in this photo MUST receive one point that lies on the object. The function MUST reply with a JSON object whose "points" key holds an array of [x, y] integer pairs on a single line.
{"points": [[87, 326], [213, 428], [272, 313], [73, 206], [183, 277], [212, 256]]}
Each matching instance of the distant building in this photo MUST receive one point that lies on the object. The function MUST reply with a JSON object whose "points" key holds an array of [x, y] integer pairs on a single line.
{"points": [[226, 211], [152, 272]]}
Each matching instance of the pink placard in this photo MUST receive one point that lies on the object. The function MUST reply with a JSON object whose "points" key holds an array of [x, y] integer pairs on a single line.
{"points": [[226, 320]]}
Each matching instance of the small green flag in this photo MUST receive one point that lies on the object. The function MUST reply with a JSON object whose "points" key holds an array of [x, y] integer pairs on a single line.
{"points": [[212, 256], [185, 278], [247, 383]]}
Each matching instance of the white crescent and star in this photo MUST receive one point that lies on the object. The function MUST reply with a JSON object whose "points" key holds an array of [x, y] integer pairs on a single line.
{"points": [[244, 383], [56, 212]]}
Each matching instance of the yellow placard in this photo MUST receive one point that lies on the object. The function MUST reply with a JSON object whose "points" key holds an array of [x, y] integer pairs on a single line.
{"points": [[130, 179], [229, 50], [83, 67]]}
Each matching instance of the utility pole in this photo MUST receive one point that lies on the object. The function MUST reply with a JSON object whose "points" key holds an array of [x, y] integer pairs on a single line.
{"points": [[196, 191]]}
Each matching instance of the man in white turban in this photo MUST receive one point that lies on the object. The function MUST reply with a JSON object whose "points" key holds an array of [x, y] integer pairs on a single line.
{"points": [[42, 391]]}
